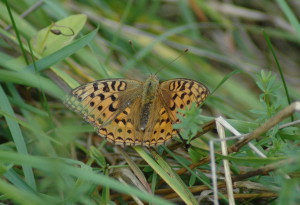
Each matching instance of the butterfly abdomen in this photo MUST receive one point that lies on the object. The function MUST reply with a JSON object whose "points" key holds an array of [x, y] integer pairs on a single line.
{"points": [[144, 117]]}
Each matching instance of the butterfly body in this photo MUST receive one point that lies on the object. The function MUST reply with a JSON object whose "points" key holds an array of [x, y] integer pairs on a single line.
{"points": [[148, 98], [130, 112]]}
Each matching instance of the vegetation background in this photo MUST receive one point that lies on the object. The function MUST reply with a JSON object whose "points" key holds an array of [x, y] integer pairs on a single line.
{"points": [[249, 50]]}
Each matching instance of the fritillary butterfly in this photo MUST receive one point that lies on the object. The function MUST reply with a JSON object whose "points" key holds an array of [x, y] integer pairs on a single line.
{"points": [[130, 112]]}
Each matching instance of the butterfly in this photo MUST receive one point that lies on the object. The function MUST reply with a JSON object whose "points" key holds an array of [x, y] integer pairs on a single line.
{"points": [[130, 112]]}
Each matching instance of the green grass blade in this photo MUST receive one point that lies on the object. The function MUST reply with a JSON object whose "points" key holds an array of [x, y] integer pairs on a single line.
{"points": [[46, 138], [117, 33], [19, 196], [27, 107], [191, 171], [279, 69], [14, 178], [168, 175], [290, 15], [63, 167], [17, 32], [63, 53], [33, 80], [225, 79], [17, 136]]}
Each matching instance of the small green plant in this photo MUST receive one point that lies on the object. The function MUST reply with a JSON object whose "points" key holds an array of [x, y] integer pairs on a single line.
{"points": [[190, 122], [270, 97]]}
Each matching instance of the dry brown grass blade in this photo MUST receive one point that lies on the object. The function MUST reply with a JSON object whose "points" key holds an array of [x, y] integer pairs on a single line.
{"points": [[136, 170], [198, 11]]}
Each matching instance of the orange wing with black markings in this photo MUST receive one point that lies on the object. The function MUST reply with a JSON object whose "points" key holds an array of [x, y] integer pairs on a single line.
{"points": [[99, 102]]}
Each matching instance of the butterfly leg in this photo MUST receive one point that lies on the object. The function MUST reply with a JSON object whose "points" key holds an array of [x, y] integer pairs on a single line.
{"points": [[187, 146]]}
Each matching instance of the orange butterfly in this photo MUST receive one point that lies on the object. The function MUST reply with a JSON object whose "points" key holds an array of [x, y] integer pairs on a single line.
{"points": [[130, 112]]}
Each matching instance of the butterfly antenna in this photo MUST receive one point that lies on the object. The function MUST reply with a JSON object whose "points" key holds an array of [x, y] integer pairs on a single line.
{"points": [[135, 52], [179, 56]]}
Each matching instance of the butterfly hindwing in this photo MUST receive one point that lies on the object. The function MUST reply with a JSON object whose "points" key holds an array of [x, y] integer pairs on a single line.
{"points": [[123, 129], [180, 93], [159, 129]]}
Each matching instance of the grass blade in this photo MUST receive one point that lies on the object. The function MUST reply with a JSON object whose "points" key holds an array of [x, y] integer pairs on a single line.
{"points": [[17, 136], [168, 175]]}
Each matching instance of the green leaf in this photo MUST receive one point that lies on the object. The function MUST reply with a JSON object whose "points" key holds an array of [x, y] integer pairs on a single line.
{"points": [[97, 156], [63, 53], [47, 42]]}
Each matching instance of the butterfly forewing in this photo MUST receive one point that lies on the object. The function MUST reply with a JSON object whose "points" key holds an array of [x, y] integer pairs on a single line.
{"points": [[99, 102]]}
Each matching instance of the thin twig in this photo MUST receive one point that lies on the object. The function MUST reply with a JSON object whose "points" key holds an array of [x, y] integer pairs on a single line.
{"points": [[286, 112]]}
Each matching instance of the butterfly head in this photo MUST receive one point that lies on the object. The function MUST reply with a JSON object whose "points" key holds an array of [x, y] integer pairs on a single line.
{"points": [[152, 81]]}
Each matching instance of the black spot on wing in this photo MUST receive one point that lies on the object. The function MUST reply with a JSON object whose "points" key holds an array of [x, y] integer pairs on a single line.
{"points": [[173, 107], [162, 121], [105, 87], [191, 85], [111, 108], [113, 98], [171, 86], [182, 95], [175, 96], [113, 84], [183, 85], [178, 84], [122, 86], [95, 86], [101, 96]]}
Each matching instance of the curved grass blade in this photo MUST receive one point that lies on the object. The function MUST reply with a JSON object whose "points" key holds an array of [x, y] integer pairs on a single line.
{"points": [[167, 174]]}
